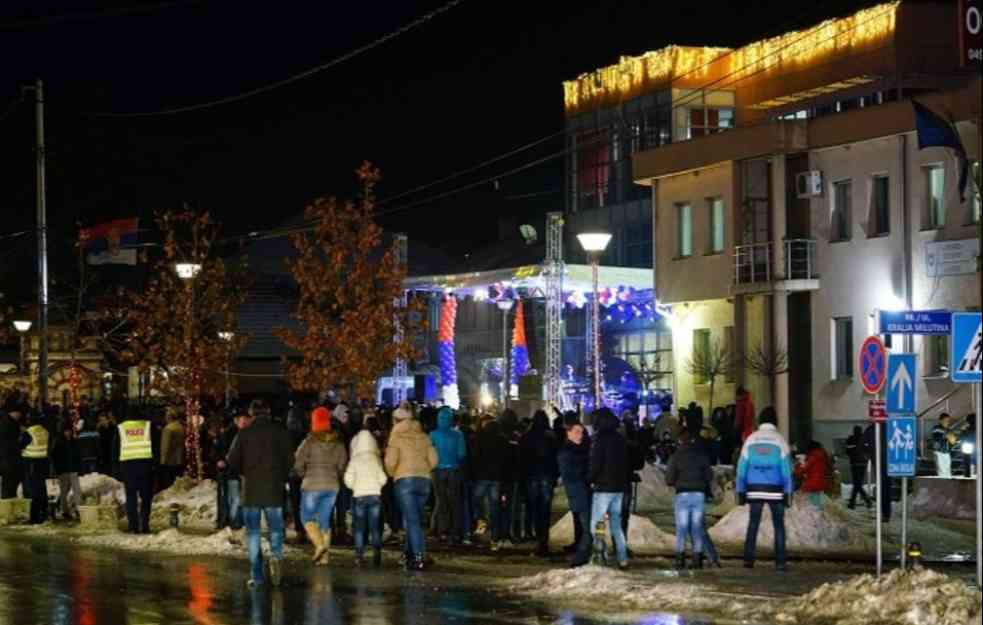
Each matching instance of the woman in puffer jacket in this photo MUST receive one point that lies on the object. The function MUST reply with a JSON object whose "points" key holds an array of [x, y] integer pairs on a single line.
{"points": [[321, 461], [366, 477], [410, 459]]}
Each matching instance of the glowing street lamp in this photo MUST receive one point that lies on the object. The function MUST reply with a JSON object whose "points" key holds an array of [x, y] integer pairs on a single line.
{"points": [[594, 243], [187, 271], [22, 327], [227, 337]]}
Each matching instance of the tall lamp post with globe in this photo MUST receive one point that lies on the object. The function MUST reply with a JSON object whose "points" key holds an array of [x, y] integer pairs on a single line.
{"points": [[594, 243], [23, 327]]}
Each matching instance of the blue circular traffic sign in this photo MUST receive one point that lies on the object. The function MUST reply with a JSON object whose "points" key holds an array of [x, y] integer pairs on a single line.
{"points": [[873, 365]]}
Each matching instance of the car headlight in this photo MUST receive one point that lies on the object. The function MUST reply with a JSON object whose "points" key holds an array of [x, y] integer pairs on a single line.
{"points": [[968, 448]]}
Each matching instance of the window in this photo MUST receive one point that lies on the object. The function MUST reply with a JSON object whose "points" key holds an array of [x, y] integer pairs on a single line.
{"points": [[704, 120], [684, 224], [880, 207], [716, 205], [842, 348], [638, 244], [935, 197], [840, 218], [701, 345], [937, 355]]}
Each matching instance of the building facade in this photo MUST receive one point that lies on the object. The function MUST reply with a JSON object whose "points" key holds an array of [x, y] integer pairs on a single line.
{"points": [[789, 201]]}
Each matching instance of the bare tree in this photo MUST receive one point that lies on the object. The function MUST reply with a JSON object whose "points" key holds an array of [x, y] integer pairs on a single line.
{"points": [[708, 363], [768, 362]]}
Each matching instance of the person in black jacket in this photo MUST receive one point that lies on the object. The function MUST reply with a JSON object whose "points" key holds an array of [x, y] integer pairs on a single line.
{"points": [[66, 459], [609, 470], [690, 473], [574, 461], [11, 468], [859, 455], [489, 455], [537, 454], [636, 462]]}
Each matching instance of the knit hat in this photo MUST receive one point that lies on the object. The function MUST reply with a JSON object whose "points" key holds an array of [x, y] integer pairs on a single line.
{"points": [[320, 420]]}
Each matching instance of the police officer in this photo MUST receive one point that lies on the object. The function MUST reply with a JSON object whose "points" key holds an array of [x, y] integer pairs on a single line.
{"points": [[136, 465], [34, 453]]}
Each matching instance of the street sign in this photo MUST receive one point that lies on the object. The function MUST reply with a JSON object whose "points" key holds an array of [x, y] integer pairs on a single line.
{"points": [[902, 380], [967, 346], [877, 410], [951, 258], [873, 365], [920, 322], [902, 436]]}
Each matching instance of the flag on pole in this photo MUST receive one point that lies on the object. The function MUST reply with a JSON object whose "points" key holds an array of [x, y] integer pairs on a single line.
{"points": [[934, 131], [110, 243]]}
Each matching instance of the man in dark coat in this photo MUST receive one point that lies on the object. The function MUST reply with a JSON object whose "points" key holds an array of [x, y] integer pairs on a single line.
{"points": [[11, 469], [574, 461], [859, 455], [609, 471], [537, 456], [262, 455], [489, 456]]}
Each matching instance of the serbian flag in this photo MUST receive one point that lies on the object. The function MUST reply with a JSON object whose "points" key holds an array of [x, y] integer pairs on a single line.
{"points": [[445, 346], [520, 351], [110, 243]]}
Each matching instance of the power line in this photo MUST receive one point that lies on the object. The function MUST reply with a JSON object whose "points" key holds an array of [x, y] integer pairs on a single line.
{"points": [[292, 79]]}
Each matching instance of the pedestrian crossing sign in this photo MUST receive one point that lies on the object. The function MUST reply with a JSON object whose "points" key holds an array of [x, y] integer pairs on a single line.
{"points": [[967, 347]]}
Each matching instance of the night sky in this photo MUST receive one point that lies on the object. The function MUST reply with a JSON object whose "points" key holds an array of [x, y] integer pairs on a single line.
{"points": [[475, 82]]}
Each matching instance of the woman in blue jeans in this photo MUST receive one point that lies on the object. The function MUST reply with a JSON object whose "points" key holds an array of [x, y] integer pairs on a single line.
{"points": [[321, 460], [410, 459], [366, 477], [690, 472]]}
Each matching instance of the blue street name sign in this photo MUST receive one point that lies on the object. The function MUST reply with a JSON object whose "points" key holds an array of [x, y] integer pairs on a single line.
{"points": [[967, 345], [902, 380], [922, 322], [902, 438]]}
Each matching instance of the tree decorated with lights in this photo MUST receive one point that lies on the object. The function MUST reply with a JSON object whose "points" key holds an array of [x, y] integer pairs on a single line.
{"points": [[182, 324], [350, 288]]}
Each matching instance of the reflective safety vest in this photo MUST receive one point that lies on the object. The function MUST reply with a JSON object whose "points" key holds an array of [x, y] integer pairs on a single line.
{"points": [[134, 441], [37, 449]]}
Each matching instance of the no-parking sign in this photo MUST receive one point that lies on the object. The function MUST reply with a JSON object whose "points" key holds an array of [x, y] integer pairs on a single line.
{"points": [[873, 365]]}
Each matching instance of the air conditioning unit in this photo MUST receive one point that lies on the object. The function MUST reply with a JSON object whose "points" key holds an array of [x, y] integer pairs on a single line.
{"points": [[809, 184]]}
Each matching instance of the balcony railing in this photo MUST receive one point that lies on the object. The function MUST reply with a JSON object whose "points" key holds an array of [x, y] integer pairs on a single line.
{"points": [[753, 263]]}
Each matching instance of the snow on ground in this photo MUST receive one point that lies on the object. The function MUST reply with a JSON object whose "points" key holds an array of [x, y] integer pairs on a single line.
{"points": [[907, 598], [806, 527], [96, 489], [594, 584], [951, 499], [197, 501], [655, 495], [643, 535]]}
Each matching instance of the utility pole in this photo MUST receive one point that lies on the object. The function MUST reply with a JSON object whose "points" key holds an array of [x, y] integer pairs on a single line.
{"points": [[42, 228]]}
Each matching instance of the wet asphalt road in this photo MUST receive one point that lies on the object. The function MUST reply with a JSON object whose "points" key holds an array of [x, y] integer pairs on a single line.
{"points": [[59, 584]]}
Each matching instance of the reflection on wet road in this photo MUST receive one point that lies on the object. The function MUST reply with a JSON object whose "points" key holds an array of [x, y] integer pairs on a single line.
{"points": [[58, 584]]}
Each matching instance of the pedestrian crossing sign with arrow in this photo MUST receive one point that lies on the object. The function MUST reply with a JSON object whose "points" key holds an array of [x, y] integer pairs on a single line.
{"points": [[902, 381], [967, 347]]}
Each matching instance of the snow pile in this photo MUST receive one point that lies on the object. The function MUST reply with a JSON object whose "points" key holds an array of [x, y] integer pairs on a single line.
{"points": [[593, 585], [655, 495], [643, 535], [722, 505], [97, 489], [169, 541], [197, 502], [806, 527], [907, 598], [951, 499]]}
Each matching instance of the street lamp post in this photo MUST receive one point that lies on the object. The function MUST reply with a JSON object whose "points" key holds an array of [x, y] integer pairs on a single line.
{"points": [[188, 272], [505, 305], [227, 337], [594, 243], [23, 327]]}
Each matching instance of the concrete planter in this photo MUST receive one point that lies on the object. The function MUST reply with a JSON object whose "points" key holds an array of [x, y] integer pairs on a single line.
{"points": [[98, 517], [14, 511]]}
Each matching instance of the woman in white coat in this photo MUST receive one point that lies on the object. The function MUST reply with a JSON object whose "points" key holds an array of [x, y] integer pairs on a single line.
{"points": [[365, 476]]}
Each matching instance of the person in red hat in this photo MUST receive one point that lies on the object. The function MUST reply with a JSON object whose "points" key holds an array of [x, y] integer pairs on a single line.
{"points": [[320, 460]]}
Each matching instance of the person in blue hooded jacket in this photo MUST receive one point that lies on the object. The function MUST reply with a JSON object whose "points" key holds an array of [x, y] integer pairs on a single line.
{"points": [[448, 477], [764, 476]]}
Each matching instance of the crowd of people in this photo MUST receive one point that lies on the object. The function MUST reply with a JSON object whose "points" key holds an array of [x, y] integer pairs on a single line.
{"points": [[466, 477]]}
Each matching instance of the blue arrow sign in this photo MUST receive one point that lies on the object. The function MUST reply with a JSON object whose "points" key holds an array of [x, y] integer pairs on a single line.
{"points": [[967, 345], [920, 322], [902, 379], [902, 437]]}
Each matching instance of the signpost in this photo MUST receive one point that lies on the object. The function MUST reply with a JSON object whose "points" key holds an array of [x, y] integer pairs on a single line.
{"points": [[877, 410], [902, 459], [902, 400], [873, 374], [902, 375], [922, 322], [967, 345]]}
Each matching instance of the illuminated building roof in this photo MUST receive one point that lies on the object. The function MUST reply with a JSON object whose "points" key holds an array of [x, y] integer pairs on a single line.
{"points": [[865, 30]]}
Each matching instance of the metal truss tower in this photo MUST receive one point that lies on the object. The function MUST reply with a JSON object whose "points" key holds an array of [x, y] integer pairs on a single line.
{"points": [[401, 368], [554, 307]]}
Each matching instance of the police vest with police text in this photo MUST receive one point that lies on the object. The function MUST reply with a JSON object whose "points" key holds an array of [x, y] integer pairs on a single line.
{"points": [[134, 441], [37, 449]]}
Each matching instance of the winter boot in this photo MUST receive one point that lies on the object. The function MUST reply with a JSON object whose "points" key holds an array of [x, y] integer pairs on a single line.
{"points": [[326, 556], [359, 559], [680, 564], [316, 538], [700, 559], [276, 571], [377, 557]]}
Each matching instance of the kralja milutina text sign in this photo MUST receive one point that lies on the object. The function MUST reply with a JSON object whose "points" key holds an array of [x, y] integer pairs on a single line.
{"points": [[917, 322]]}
